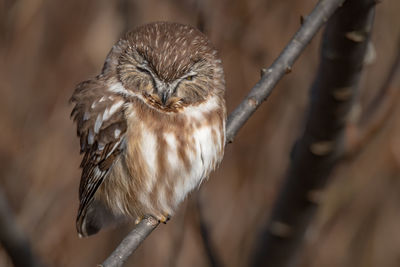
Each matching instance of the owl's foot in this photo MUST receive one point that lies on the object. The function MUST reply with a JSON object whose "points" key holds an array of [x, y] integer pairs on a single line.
{"points": [[138, 219], [164, 218]]}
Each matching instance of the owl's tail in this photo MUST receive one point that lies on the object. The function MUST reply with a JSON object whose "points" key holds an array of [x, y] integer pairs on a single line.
{"points": [[94, 218]]}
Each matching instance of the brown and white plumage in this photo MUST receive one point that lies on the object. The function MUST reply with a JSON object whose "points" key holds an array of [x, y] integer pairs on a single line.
{"points": [[151, 125]]}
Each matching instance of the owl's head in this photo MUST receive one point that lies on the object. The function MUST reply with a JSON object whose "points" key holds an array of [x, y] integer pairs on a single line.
{"points": [[170, 65]]}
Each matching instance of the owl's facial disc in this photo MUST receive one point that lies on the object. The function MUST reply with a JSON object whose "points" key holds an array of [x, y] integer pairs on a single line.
{"points": [[165, 94], [161, 91], [168, 90], [166, 79]]}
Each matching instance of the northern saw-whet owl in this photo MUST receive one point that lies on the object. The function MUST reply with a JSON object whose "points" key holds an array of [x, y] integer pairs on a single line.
{"points": [[151, 125]]}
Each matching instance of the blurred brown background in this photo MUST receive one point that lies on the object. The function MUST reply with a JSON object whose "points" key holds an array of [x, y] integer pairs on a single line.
{"points": [[48, 46]]}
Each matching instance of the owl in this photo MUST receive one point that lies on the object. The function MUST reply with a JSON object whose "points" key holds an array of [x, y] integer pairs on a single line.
{"points": [[151, 125]]}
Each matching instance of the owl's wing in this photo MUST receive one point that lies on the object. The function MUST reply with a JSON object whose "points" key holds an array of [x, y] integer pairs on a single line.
{"points": [[101, 126]]}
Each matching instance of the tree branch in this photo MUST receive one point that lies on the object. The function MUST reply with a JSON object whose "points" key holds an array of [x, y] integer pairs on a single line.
{"points": [[282, 65], [316, 152], [260, 92], [131, 242]]}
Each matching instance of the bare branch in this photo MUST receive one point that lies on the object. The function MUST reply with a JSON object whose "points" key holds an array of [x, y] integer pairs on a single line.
{"points": [[260, 92], [131, 242], [316, 152], [13, 239], [282, 65]]}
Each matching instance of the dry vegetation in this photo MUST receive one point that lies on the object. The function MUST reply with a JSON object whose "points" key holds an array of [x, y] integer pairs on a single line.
{"points": [[48, 46]]}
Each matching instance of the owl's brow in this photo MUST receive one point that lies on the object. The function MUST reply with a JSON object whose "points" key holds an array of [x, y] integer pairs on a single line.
{"points": [[145, 69], [197, 60], [195, 63], [190, 72]]}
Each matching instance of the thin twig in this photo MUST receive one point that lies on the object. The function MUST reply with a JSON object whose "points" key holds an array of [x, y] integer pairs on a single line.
{"points": [[131, 242], [282, 65], [260, 92], [316, 152]]}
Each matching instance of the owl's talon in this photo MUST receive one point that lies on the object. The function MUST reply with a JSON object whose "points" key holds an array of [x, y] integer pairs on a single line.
{"points": [[164, 218], [138, 220]]}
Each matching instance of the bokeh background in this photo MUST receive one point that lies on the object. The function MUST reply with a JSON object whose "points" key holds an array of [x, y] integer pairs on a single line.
{"points": [[48, 46]]}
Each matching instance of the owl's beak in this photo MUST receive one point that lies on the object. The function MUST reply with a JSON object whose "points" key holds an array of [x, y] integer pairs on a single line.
{"points": [[164, 95], [164, 91]]}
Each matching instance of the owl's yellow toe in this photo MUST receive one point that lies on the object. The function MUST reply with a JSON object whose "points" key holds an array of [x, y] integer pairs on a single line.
{"points": [[138, 220], [164, 218]]}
